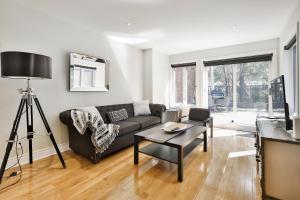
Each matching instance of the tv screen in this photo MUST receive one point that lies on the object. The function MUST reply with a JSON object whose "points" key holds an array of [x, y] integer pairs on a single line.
{"points": [[278, 96], [280, 106]]}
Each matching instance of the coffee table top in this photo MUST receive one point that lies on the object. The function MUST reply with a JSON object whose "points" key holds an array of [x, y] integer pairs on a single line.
{"points": [[183, 139]]}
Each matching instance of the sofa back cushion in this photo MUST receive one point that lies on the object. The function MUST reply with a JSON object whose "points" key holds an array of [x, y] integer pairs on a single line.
{"points": [[199, 114], [141, 108], [117, 115], [104, 109]]}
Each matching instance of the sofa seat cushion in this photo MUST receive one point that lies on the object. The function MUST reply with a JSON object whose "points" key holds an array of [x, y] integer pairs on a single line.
{"points": [[145, 121], [127, 126]]}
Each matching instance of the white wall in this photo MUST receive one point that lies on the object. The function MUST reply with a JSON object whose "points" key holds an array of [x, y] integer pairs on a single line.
{"points": [[285, 56], [156, 77], [287, 33], [161, 78], [23, 29], [261, 47], [147, 74]]}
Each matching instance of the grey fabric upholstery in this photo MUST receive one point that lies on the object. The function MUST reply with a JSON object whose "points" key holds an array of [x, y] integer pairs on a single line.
{"points": [[157, 109], [145, 121], [127, 126], [117, 115], [199, 123], [104, 109], [199, 114]]}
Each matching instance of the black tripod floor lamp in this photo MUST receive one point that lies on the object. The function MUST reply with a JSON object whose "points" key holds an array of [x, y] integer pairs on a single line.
{"points": [[26, 66]]}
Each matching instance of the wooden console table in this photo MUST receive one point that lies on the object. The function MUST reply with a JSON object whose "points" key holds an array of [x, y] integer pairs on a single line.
{"points": [[278, 158]]}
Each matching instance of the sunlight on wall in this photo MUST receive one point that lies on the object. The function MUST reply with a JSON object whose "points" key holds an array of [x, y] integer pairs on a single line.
{"points": [[137, 38], [167, 95], [131, 69], [153, 34]]}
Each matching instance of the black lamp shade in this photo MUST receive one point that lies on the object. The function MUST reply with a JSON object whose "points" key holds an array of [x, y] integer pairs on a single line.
{"points": [[25, 65]]}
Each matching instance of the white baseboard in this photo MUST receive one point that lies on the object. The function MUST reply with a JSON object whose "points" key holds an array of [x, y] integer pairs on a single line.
{"points": [[39, 154]]}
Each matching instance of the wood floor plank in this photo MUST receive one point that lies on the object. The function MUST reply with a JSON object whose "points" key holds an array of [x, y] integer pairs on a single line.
{"points": [[224, 172]]}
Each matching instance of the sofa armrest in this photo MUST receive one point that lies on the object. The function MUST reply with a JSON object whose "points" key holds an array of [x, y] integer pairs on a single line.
{"points": [[65, 117], [157, 109]]}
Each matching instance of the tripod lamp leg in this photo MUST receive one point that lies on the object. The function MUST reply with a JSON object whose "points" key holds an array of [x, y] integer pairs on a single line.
{"points": [[49, 130], [12, 137]]}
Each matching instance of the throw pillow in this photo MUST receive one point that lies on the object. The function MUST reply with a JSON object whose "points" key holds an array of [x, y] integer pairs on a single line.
{"points": [[117, 115], [141, 108]]}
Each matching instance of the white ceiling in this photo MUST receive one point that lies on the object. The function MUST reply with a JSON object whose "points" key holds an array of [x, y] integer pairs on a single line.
{"points": [[175, 26]]}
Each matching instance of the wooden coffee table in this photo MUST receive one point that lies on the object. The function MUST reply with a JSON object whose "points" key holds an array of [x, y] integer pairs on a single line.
{"points": [[173, 150]]}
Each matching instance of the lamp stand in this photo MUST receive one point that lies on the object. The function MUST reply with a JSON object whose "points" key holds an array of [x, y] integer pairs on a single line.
{"points": [[27, 101]]}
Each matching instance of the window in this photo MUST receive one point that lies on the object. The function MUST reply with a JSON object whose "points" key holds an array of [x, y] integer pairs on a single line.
{"points": [[294, 70], [238, 87], [252, 86], [191, 85], [185, 85], [292, 73], [179, 85], [238, 90]]}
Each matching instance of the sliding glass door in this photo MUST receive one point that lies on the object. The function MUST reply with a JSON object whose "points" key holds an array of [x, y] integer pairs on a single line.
{"points": [[237, 93]]}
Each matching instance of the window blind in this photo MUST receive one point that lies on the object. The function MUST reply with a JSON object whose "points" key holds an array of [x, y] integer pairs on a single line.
{"points": [[191, 64], [239, 60], [291, 43]]}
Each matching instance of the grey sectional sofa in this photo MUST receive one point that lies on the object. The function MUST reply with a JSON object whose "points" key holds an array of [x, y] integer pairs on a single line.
{"points": [[82, 144]]}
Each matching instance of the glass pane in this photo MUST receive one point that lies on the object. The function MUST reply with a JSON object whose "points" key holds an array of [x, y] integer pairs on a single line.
{"points": [[87, 78], [77, 79], [252, 87], [179, 84], [220, 81], [191, 85]]}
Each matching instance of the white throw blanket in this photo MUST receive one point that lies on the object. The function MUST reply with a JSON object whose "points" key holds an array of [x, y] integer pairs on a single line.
{"points": [[102, 134]]}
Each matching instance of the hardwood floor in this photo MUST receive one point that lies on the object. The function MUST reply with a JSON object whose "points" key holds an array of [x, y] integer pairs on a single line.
{"points": [[226, 171]]}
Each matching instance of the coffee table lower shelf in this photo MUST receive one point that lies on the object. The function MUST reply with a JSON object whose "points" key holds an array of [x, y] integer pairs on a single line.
{"points": [[169, 153]]}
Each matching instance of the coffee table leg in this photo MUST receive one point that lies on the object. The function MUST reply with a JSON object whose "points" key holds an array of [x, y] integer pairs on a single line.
{"points": [[180, 164], [205, 141], [136, 150]]}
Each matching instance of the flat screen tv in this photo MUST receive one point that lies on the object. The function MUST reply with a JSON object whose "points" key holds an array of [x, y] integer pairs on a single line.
{"points": [[280, 106]]}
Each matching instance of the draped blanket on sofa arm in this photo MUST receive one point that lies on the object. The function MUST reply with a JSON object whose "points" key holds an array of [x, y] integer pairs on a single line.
{"points": [[102, 134]]}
